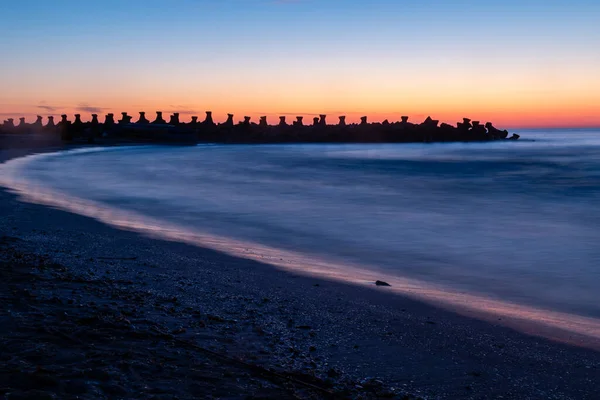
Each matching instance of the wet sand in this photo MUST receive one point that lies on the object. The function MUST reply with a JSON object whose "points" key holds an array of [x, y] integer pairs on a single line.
{"points": [[97, 312]]}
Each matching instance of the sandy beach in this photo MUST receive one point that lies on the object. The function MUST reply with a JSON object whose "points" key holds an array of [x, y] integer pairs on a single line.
{"points": [[95, 312]]}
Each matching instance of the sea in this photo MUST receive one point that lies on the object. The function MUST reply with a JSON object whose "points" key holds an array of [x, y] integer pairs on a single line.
{"points": [[508, 226]]}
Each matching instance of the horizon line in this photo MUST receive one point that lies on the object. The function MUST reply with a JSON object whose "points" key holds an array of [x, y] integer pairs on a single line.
{"points": [[575, 126]]}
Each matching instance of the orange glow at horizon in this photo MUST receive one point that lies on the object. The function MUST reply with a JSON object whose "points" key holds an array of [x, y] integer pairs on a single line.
{"points": [[520, 103], [512, 96]]}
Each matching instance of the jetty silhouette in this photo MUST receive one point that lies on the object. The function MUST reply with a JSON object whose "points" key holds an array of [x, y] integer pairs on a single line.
{"points": [[246, 131]]}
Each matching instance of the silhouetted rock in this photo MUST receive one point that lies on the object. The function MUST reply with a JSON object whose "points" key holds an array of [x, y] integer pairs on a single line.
{"points": [[143, 120], [159, 118], [64, 127], [478, 131], [430, 123], [209, 119], [125, 119], [465, 125], [94, 127], [382, 283], [109, 121], [229, 121], [22, 127], [496, 133], [9, 123], [50, 124], [245, 131], [38, 123], [77, 128], [174, 119], [514, 137]]}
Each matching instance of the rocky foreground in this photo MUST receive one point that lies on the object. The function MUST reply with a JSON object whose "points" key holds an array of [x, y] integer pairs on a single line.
{"points": [[90, 312], [88, 335]]}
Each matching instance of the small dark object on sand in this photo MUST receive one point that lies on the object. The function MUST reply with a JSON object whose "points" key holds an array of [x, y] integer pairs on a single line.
{"points": [[382, 283], [305, 327]]}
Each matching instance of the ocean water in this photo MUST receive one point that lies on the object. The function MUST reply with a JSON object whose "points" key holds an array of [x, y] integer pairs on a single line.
{"points": [[513, 222]]}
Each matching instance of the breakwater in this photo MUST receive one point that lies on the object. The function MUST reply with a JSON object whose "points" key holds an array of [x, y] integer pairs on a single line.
{"points": [[246, 131]]}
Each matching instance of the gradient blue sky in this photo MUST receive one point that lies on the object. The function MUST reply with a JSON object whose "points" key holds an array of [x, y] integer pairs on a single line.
{"points": [[517, 62]]}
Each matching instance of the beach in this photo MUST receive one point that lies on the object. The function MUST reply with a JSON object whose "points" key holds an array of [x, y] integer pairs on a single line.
{"points": [[98, 312]]}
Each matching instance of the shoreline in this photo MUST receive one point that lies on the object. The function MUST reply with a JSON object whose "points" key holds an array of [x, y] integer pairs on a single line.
{"points": [[571, 328], [355, 331]]}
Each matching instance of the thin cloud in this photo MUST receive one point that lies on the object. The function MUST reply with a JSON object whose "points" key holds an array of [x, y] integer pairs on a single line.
{"points": [[12, 114], [46, 107], [304, 114], [90, 109], [275, 114], [181, 109]]}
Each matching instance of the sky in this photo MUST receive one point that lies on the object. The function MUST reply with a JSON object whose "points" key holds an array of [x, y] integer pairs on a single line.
{"points": [[525, 63]]}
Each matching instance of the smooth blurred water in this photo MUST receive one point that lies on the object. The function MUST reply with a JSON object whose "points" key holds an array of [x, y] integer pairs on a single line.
{"points": [[517, 221]]}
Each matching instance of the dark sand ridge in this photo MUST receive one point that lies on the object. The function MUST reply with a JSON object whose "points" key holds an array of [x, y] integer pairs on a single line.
{"points": [[285, 319]]}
